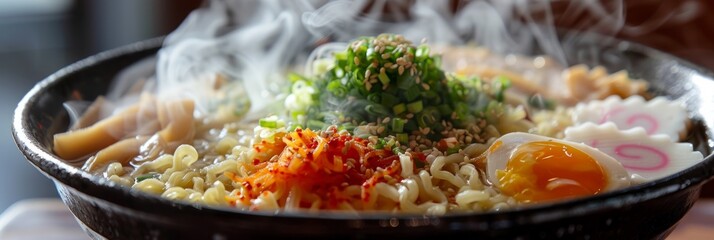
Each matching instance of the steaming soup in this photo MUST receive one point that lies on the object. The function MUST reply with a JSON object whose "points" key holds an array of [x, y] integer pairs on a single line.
{"points": [[386, 125]]}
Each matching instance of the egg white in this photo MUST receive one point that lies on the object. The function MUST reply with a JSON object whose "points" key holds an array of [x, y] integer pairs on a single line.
{"points": [[498, 155]]}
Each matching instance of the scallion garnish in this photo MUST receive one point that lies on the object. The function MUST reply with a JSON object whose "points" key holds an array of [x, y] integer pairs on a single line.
{"points": [[382, 77], [147, 176]]}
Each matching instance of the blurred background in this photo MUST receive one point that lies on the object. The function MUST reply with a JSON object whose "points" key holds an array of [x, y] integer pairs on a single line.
{"points": [[38, 37]]}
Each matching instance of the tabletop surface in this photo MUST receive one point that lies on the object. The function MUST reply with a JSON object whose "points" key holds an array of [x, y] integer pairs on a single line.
{"points": [[24, 218]]}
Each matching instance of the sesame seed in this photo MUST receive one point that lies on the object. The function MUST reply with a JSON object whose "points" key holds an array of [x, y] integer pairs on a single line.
{"points": [[386, 55], [425, 86], [367, 73], [386, 120], [401, 70], [356, 60]]}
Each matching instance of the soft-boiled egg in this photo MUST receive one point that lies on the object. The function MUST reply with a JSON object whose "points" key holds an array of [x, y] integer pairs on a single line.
{"points": [[533, 168]]}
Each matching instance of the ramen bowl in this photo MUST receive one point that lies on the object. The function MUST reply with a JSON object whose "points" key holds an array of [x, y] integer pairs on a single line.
{"points": [[108, 210]]}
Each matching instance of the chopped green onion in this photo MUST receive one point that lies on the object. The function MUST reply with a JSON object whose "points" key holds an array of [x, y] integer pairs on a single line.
{"points": [[398, 125], [458, 92], [147, 176], [397, 150], [412, 93], [374, 97], [346, 126], [402, 138], [388, 100], [377, 110], [343, 93], [461, 110], [537, 101], [379, 144], [370, 54], [405, 82], [415, 107], [399, 108], [445, 110], [429, 117], [336, 88], [410, 126], [422, 51], [430, 95], [267, 123], [339, 72], [501, 83], [452, 150], [341, 55], [271, 122], [383, 78], [315, 124]]}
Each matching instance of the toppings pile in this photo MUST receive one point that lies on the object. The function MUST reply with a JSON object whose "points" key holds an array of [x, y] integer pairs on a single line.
{"points": [[379, 98], [385, 86]]}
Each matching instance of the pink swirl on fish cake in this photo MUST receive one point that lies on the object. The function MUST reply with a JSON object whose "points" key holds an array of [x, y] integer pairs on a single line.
{"points": [[650, 127], [634, 161]]}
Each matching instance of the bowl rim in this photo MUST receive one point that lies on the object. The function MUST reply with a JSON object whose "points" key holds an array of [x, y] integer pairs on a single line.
{"points": [[44, 160]]}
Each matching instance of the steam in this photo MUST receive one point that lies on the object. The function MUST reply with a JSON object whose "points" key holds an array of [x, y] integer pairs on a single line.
{"points": [[248, 41], [254, 43]]}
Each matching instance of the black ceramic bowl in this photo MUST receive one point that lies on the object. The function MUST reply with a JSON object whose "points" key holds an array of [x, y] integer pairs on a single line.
{"points": [[647, 211]]}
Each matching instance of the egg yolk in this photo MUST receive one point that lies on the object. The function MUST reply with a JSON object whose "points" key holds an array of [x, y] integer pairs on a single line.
{"points": [[545, 170]]}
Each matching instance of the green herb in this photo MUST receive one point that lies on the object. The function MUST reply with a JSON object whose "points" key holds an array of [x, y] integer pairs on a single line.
{"points": [[387, 76], [537, 101], [452, 150], [397, 125], [402, 138], [271, 122], [147, 176], [399, 108], [415, 107]]}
